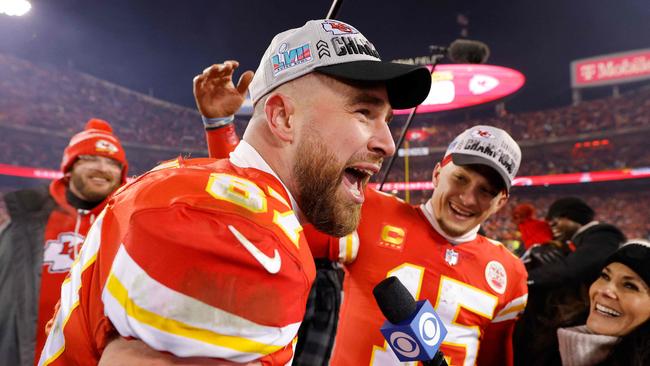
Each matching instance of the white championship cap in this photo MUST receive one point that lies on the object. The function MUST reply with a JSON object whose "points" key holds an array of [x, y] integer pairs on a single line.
{"points": [[336, 49], [489, 146]]}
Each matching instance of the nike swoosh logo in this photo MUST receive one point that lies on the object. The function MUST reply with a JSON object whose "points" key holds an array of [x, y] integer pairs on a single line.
{"points": [[272, 265]]}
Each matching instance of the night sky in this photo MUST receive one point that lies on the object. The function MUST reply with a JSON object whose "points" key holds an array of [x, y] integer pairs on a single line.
{"points": [[158, 46]]}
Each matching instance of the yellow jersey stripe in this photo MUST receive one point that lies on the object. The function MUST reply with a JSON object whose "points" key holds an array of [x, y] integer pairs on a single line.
{"points": [[176, 327]]}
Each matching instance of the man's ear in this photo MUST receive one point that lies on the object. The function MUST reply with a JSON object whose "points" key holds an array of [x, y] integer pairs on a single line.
{"points": [[436, 175], [279, 109], [502, 200]]}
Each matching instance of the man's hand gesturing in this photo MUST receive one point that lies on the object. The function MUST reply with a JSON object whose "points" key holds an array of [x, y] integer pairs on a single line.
{"points": [[214, 91]]}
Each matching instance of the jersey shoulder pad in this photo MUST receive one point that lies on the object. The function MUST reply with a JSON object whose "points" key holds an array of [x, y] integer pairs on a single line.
{"points": [[209, 185], [386, 205]]}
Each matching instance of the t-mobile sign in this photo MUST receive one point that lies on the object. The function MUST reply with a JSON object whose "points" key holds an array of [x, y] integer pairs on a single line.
{"points": [[614, 68], [463, 85]]}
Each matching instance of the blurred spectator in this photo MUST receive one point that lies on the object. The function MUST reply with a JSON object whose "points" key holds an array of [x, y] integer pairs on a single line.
{"points": [[531, 230], [43, 236]]}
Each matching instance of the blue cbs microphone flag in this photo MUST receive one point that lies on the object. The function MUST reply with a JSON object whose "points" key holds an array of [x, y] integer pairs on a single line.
{"points": [[418, 337]]}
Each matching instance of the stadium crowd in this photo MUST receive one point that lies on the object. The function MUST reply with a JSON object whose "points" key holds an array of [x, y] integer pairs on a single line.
{"points": [[142, 119], [62, 100], [629, 110]]}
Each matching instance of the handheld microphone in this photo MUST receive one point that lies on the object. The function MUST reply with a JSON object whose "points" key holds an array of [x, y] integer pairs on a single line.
{"points": [[464, 51], [413, 330]]}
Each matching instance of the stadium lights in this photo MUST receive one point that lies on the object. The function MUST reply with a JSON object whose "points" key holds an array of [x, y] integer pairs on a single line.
{"points": [[14, 7]]}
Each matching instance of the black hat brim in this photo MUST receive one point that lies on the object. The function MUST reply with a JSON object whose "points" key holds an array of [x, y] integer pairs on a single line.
{"points": [[407, 85]]}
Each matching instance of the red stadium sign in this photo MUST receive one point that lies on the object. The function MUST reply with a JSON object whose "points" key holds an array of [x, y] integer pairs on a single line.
{"points": [[29, 172], [464, 85], [615, 68]]}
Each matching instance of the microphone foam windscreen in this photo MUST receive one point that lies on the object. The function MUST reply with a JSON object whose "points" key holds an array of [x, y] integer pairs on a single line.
{"points": [[394, 300], [468, 52]]}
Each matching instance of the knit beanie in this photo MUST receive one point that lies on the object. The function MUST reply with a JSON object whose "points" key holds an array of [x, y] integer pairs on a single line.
{"points": [[572, 208], [96, 139], [636, 255], [524, 211]]}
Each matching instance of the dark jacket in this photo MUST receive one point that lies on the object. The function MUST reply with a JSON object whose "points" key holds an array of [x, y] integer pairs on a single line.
{"points": [[21, 260], [594, 242], [22, 254]]}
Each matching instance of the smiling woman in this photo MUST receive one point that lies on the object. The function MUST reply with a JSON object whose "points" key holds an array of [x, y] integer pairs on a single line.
{"points": [[14, 7], [618, 327]]}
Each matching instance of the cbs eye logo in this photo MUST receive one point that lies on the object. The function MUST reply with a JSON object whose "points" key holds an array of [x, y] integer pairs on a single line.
{"points": [[429, 329], [429, 333], [404, 344]]}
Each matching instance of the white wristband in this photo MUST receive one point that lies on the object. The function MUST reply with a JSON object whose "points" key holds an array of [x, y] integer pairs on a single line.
{"points": [[211, 123]]}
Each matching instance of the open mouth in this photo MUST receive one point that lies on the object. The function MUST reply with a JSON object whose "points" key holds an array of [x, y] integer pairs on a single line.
{"points": [[460, 212], [606, 311], [355, 179], [96, 179]]}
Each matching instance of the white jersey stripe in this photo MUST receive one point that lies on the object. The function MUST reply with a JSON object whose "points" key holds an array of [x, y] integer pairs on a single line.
{"points": [[179, 345], [69, 301], [512, 310], [348, 248], [132, 301]]}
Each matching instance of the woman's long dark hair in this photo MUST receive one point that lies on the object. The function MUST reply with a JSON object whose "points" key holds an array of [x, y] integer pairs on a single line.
{"points": [[633, 349]]}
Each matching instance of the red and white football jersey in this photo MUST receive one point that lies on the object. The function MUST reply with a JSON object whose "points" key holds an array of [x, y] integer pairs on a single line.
{"points": [[196, 258], [478, 287]]}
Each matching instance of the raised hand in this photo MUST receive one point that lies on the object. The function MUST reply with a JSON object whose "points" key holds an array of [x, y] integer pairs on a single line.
{"points": [[214, 91]]}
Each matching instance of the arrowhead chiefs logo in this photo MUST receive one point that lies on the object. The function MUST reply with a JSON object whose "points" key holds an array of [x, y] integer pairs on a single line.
{"points": [[483, 134], [59, 253], [481, 84], [338, 28], [105, 146]]}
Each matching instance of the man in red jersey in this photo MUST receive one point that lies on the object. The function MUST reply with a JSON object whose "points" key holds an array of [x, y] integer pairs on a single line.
{"points": [[205, 259], [48, 225], [475, 284]]}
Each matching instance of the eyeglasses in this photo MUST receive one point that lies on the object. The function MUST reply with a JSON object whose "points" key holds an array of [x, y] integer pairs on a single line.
{"points": [[96, 159]]}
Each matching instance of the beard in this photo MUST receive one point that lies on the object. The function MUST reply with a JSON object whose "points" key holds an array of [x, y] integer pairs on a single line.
{"points": [[89, 193], [318, 177]]}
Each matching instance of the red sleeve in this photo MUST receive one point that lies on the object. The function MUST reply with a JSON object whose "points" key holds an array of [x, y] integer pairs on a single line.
{"points": [[202, 283], [343, 250], [496, 346], [535, 232], [221, 141], [319, 243], [196, 253]]}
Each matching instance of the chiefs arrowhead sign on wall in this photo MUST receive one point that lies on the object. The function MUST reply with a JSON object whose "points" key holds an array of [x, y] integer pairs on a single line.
{"points": [[464, 85]]}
